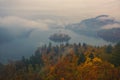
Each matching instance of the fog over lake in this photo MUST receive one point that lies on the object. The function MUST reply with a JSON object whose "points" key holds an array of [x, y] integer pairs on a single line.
{"points": [[26, 46]]}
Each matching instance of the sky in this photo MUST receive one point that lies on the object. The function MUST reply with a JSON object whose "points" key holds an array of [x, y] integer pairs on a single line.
{"points": [[43, 12], [65, 8]]}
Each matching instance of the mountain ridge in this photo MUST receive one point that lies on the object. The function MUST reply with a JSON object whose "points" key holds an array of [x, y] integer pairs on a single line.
{"points": [[92, 26]]}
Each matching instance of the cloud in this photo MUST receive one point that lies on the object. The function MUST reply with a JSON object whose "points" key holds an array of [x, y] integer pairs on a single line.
{"points": [[18, 22], [111, 26], [16, 25], [12, 27]]}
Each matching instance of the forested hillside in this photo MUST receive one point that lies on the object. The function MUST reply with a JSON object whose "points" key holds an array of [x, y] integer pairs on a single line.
{"points": [[110, 34], [66, 62]]}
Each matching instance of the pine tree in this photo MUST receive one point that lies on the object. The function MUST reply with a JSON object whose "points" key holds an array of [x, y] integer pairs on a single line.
{"points": [[81, 59], [116, 55], [91, 56], [109, 49]]}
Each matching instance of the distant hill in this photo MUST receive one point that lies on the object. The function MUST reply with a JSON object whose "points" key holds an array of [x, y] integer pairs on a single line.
{"points": [[112, 35], [93, 26]]}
